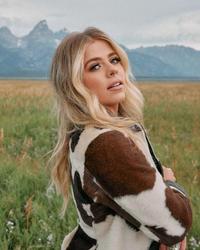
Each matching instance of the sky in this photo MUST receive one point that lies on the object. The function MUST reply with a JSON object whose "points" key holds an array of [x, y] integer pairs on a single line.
{"points": [[133, 23]]}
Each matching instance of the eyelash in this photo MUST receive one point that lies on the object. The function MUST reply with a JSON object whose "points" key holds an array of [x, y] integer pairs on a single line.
{"points": [[92, 68]]}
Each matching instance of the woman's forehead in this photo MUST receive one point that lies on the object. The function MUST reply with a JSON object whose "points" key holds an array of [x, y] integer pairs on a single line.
{"points": [[98, 48]]}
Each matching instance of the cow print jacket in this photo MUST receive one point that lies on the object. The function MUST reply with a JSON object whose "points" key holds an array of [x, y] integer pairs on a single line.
{"points": [[122, 201]]}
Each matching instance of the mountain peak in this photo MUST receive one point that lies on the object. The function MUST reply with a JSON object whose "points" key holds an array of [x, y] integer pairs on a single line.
{"points": [[6, 31], [7, 38], [64, 30], [40, 31], [59, 35], [42, 25]]}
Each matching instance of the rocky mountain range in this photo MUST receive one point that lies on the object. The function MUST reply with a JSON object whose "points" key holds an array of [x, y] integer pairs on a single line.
{"points": [[30, 56]]}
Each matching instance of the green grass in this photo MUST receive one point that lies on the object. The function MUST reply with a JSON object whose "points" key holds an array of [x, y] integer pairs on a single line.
{"points": [[29, 218]]}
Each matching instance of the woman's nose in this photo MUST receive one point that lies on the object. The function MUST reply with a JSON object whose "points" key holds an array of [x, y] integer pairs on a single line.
{"points": [[112, 71]]}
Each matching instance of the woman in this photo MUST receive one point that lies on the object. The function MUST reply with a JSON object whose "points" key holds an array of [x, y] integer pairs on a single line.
{"points": [[124, 198]]}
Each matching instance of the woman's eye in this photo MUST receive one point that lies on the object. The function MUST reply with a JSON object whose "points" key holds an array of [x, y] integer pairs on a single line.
{"points": [[94, 67], [116, 59]]}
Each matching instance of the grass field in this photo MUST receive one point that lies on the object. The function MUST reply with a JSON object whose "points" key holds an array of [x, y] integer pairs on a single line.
{"points": [[29, 217]]}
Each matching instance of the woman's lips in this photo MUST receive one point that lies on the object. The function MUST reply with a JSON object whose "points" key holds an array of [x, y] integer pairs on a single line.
{"points": [[119, 86]]}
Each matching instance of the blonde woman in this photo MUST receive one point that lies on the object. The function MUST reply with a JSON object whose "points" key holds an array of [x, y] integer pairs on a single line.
{"points": [[125, 199]]}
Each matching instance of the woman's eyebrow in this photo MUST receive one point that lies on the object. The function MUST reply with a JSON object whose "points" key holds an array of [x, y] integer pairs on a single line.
{"points": [[99, 58]]}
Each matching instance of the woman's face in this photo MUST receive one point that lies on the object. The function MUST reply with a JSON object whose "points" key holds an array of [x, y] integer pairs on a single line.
{"points": [[102, 68]]}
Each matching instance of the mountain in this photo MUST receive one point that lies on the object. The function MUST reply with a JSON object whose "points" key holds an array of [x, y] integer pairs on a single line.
{"points": [[40, 36], [60, 34], [31, 55], [7, 38], [184, 61], [149, 66]]}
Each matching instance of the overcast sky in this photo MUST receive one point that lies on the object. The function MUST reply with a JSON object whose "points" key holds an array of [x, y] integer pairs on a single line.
{"points": [[131, 22]]}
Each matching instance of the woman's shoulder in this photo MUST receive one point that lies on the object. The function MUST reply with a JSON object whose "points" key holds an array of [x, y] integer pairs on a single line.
{"points": [[83, 137]]}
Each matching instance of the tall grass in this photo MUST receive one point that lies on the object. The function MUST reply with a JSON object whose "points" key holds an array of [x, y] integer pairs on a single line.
{"points": [[29, 216]]}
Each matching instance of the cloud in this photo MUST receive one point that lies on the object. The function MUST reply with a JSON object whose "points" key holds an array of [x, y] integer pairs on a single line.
{"points": [[130, 22], [181, 29]]}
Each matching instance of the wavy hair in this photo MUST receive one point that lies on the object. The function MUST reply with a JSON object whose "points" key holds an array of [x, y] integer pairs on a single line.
{"points": [[77, 106]]}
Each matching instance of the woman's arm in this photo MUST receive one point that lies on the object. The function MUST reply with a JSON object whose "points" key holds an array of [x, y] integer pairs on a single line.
{"points": [[123, 171], [168, 175]]}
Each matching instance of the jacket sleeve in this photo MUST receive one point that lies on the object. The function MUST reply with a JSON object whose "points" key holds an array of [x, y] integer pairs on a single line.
{"points": [[122, 170]]}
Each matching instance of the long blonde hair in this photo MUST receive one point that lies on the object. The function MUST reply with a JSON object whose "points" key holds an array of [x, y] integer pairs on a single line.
{"points": [[77, 106]]}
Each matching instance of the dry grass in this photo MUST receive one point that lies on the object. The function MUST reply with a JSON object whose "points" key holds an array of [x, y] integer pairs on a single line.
{"points": [[25, 88], [186, 91], [27, 133]]}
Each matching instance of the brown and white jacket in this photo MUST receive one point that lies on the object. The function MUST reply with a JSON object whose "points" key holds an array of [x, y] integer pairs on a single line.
{"points": [[122, 201]]}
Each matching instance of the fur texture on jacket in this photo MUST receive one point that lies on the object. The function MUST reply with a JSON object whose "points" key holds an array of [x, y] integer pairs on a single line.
{"points": [[111, 177]]}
